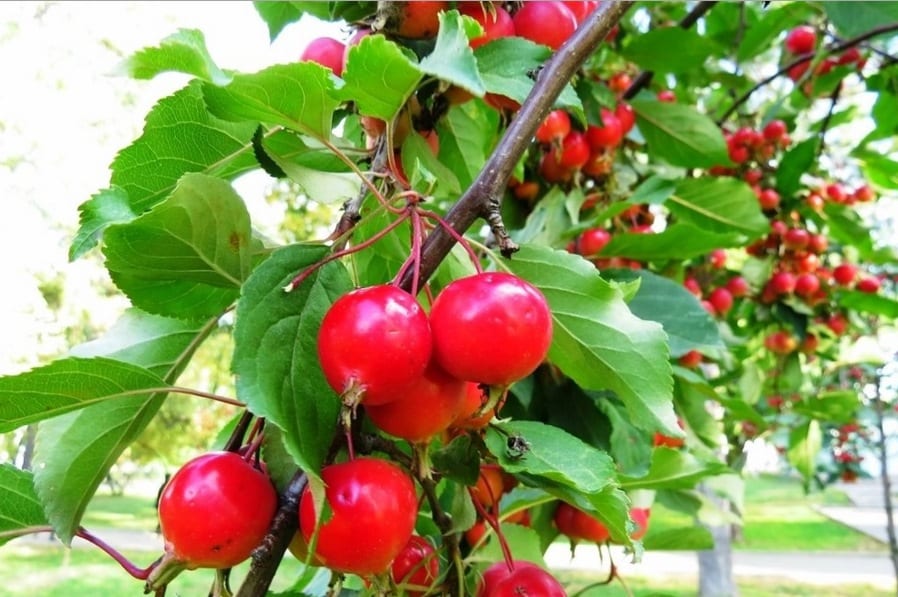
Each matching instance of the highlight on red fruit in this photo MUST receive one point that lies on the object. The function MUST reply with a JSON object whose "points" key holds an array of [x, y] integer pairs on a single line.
{"points": [[215, 510], [374, 340], [492, 328], [373, 508], [327, 52], [544, 22], [626, 115]]}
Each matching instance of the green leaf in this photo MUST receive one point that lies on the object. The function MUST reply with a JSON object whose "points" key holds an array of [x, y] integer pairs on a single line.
{"points": [[508, 64], [597, 340], [421, 165], [298, 96], [548, 221], [673, 469], [680, 134], [19, 505], [153, 342], [760, 36], [524, 543], [846, 226], [74, 452], [687, 323], [836, 407], [452, 59], [458, 461], [795, 163], [692, 50], [184, 52], [275, 355], [627, 444], [379, 77], [105, 207], [148, 169], [691, 538], [72, 458], [857, 17], [805, 442], [189, 255], [866, 302], [277, 15], [467, 135], [678, 241], [880, 170], [66, 385], [719, 204], [551, 454], [320, 174]]}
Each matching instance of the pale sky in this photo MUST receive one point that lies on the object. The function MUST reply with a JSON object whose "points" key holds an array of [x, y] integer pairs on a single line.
{"points": [[63, 118]]}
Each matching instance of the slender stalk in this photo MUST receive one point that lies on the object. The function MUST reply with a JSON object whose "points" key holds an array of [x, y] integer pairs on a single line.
{"points": [[484, 195], [878, 408]]}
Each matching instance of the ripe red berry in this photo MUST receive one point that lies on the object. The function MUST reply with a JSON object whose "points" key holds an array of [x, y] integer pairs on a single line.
{"points": [[473, 401], [780, 342], [721, 300], [801, 39], [376, 340], [580, 8], [373, 508], [667, 96], [327, 52], [775, 130], [640, 516], [607, 135], [420, 18], [496, 21], [524, 579], [493, 328], [554, 128], [844, 274], [782, 282], [868, 284], [578, 525], [626, 115], [542, 22], [796, 238], [738, 286], [416, 568], [619, 82], [591, 241], [769, 199], [806, 285], [574, 151], [837, 323], [215, 510]]}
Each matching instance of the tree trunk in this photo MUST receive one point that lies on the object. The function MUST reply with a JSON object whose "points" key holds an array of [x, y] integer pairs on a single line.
{"points": [[715, 566], [27, 447], [878, 407]]}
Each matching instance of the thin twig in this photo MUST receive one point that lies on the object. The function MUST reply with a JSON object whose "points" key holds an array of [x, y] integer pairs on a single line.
{"points": [[834, 99]]}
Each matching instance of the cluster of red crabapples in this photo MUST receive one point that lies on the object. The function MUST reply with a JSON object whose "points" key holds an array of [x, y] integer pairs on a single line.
{"points": [[802, 40]]}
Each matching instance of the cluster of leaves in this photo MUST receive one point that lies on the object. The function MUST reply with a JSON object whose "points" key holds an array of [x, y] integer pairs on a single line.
{"points": [[178, 241]]}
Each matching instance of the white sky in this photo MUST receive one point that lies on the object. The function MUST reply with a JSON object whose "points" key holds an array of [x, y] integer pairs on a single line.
{"points": [[63, 118]]}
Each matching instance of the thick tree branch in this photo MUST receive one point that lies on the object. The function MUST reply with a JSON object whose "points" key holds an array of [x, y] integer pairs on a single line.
{"points": [[801, 59], [267, 556], [645, 77], [484, 195]]}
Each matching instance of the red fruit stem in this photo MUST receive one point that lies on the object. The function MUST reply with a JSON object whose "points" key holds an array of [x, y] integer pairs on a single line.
{"points": [[834, 49], [300, 278], [134, 571], [491, 520], [461, 240], [483, 198]]}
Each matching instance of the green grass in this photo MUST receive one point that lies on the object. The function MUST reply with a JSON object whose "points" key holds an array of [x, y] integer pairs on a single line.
{"points": [[121, 512], [780, 517]]}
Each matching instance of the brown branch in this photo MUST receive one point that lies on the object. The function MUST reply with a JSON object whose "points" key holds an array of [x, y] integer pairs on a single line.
{"points": [[834, 99], [268, 556], [484, 195], [802, 58], [643, 79]]}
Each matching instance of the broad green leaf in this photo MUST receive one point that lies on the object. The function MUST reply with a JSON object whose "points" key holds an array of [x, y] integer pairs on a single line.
{"points": [[547, 222], [719, 204], [551, 453], [627, 444], [19, 505], [857, 17], [805, 442], [467, 135], [760, 36], [427, 173], [691, 50], [680, 134], [523, 542], [880, 170], [155, 343], [885, 115], [687, 323], [148, 170], [278, 15], [846, 226], [691, 399], [189, 255], [673, 469], [66, 385], [298, 96], [795, 163], [836, 407], [655, 191], [866, 302], [184, 52], [692, 538], [452, 59], [597, 340], [275, 355], [379, 77], [109, 206], [74, 452], [507, 66], [458, 461], [678, 241], [322, 177]]}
